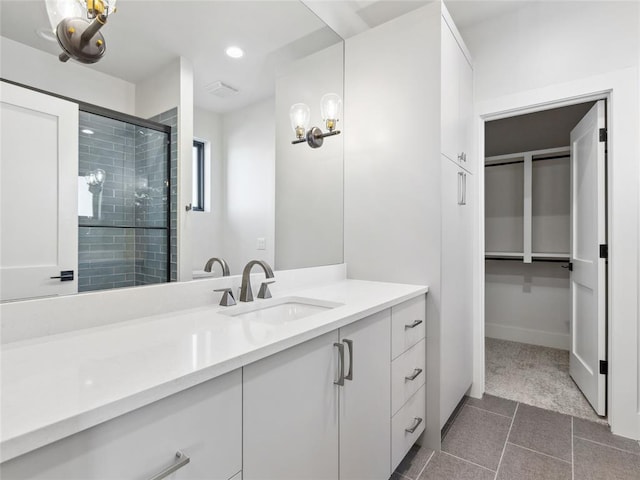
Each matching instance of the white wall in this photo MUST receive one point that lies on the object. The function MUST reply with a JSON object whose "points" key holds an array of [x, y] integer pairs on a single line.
{"points": [[249, 179], [309, 182], [551, 51], [170, 87], [207, 226], [392, 167], [545, 43], [35, 68]]}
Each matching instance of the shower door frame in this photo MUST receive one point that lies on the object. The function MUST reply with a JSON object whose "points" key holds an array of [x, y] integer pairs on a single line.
{"points": [[152, 125]]}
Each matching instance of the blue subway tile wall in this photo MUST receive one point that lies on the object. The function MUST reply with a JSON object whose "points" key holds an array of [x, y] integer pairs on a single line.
{"points": [[112, 252]]}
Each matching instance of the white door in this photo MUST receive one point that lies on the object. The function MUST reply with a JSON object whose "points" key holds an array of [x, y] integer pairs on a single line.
{"points": [[365, 399], [588, 232], [38, 196]]}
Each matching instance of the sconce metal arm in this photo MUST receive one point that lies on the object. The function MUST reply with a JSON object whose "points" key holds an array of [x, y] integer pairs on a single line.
{"points": [[315, 137]]}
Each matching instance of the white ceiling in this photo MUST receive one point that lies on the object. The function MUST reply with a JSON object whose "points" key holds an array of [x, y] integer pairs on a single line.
{"points": [[146, 35]]}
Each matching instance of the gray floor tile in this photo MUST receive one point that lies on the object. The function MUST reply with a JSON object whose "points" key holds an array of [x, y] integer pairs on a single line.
{"points": [[498, 405], [596, 462], [522, 464], [477, 436], [446, 467], [397, 476], [542, 430], [413, 463], [602, 434]]}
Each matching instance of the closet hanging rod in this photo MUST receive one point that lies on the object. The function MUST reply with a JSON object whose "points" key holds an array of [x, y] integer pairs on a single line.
{"points": [[516, 259], [522, 161]]}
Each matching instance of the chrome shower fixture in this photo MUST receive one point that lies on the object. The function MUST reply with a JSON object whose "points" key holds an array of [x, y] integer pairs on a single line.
{"points": [[95, 177]]}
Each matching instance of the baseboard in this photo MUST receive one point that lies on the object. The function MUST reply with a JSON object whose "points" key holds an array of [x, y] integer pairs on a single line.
{"points": [[524, 335]]}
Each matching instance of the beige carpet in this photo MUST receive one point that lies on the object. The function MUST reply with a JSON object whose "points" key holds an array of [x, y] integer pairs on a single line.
{"points": [[534, 375]]}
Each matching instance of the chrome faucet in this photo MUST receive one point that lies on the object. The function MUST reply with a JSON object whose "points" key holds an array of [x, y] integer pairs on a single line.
{"points": [[225, 267], [246, 295]]}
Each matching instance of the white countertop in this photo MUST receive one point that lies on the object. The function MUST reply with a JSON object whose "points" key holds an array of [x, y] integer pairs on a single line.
{"points": [[58, 385]]}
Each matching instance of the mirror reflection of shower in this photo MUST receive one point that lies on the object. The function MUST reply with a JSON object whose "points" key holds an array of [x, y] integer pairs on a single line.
{"points": [[123, 201]]}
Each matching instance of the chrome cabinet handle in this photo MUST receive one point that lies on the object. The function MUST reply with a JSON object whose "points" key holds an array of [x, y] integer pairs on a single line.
{"points": [[416, 423], [413, 325], [414, 375], [460, 198], [340, 380], [464, 189], [349, 375], [181, 461]]}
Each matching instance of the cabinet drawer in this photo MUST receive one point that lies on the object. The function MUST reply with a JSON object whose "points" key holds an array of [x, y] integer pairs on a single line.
{"points": [[204, 422], [406, 418], [407, 375], [408, 323]]}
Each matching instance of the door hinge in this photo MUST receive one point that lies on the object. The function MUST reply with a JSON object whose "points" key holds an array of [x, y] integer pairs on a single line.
{"points": [[603, 134], [604, 251], [604, 367]]}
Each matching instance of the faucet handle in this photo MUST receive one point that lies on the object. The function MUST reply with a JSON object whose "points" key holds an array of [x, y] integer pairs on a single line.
{"points": [[227, 299], [264, 289]]}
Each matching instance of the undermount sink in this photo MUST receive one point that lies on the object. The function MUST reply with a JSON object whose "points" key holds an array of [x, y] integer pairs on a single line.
{"points": [[280, 310]]}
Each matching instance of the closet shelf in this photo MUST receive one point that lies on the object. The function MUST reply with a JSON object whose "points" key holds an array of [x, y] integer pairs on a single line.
{"points": [[540, 257]]}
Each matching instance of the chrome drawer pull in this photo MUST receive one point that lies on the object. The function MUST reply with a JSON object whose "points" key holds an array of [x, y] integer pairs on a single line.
{"points": [[414, 324], [416, 423], [349, 375], [416, 372], [182, 460], [340, 380]]}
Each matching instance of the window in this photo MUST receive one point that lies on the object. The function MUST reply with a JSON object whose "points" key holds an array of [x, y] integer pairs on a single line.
{"points": [[197, 202]]}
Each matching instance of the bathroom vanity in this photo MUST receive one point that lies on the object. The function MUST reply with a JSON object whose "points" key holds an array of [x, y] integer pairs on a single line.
{"points": [[333, 384]]}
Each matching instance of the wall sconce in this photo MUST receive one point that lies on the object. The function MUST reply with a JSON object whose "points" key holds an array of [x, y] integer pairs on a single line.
{"points": [[79, 37], [330, 106]]}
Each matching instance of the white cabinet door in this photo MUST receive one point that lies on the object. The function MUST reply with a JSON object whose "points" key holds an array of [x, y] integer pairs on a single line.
{"points": [[449, 93], [365, 402], [204, 422], [456, 326], [38, 193], [290, 413], [465, 112], [456, 101]]}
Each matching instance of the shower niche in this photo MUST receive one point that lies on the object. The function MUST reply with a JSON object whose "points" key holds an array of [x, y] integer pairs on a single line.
{"points": [[124, 217]]}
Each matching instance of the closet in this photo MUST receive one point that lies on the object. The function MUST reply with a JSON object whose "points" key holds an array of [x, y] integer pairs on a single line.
{"points": [[528, 292]]}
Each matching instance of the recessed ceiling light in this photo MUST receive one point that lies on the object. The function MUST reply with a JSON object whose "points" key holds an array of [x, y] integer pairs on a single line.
{"points": [[87, 131], [234, 52], [47, 34]]}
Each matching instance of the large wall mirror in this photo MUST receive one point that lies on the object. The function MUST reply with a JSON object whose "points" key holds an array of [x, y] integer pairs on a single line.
{"points": [[199, 162]]}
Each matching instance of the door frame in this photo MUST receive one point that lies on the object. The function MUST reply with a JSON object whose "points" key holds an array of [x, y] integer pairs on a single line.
{"points": [[505, 108]]}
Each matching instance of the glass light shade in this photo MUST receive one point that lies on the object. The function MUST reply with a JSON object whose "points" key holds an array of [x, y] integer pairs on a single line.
{"points": [[299, 114], [330, 106], [58, 10]]}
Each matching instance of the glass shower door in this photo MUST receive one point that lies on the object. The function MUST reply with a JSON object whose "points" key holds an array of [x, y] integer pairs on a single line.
{"points": [[123, 204]]}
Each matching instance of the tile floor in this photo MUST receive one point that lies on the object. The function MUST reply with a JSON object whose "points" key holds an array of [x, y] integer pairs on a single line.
{"points": [[499, 439]]}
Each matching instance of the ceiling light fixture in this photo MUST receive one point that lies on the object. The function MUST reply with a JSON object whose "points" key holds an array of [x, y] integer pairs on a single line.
{"points": [[300, 113], [234, 52], [76, 24]]}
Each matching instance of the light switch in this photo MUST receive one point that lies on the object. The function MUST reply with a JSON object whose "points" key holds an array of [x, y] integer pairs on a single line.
{"points": [[262, 244]]}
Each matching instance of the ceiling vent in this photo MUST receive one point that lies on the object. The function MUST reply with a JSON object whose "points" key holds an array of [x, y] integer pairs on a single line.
{"points": [[220, 89]]}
